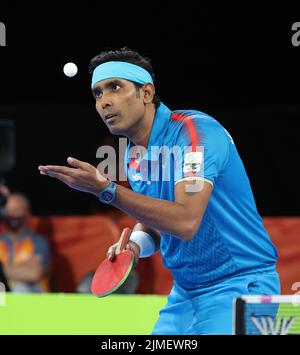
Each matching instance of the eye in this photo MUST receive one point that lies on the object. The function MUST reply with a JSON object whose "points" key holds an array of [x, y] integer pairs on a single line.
{"points": [[115, 87], [97, 94]]}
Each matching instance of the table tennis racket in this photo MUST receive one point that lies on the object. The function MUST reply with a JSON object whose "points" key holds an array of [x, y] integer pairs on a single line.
{"points": [[111, 274]]}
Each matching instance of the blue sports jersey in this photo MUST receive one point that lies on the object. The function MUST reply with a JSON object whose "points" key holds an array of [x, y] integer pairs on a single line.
{"points": [[231, 239]]}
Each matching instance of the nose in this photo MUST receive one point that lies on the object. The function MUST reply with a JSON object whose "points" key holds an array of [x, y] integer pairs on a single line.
{"points": [[105, 101], [102, 104]]}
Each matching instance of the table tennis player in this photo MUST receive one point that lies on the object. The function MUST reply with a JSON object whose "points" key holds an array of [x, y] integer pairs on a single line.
{"points": [[197, 208]]}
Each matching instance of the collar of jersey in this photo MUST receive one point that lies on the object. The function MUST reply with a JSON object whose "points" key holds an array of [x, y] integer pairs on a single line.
{"points": [[158, 130]]}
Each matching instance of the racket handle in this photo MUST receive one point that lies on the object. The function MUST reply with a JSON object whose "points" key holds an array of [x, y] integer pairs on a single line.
{"points": [[125, 236]]}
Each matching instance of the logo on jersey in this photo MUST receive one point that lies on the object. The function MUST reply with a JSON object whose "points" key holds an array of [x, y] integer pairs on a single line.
{"points": [[136, 177], [192, 162]]}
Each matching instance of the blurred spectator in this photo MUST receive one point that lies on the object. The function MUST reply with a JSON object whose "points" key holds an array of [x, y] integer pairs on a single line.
{"points": [[24, 255]]}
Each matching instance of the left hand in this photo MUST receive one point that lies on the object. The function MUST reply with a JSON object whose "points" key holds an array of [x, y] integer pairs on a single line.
{"points": [[82, 176]]}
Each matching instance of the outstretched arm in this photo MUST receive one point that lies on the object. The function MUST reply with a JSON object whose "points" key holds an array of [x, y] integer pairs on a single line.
{"points": [[180, 218]]}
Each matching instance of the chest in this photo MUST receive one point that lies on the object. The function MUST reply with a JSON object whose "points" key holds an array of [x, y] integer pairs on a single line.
{"points": [[153, 178], [16, 252]]}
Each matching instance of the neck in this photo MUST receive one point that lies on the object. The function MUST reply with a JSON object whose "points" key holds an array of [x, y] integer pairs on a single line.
{"points": [[142, 130]]}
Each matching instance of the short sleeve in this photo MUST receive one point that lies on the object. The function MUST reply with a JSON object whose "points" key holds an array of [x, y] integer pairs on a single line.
{"points": [[204, 150]]}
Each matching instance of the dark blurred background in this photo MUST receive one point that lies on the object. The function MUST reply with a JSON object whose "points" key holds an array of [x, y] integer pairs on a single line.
{"points": [[237, 64]]}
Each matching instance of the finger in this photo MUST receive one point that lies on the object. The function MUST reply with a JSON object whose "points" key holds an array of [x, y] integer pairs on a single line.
{"points": [[77, 163], [41, 168], [111, 253], [134, 247], [56, 169], [50, 173], [134, 251], [61, 177]]}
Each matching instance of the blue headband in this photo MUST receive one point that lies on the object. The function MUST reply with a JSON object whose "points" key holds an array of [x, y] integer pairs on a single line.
{"points": [[122, 70]]}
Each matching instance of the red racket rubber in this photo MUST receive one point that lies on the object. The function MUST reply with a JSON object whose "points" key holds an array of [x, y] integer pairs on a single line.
{"points": [[111, 274]]}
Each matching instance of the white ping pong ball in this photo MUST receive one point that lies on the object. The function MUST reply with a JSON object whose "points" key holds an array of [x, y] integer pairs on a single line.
{"points": [[70, 69]]}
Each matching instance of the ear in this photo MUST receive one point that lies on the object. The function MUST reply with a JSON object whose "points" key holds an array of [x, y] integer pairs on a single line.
{"points": [[149, 91]]}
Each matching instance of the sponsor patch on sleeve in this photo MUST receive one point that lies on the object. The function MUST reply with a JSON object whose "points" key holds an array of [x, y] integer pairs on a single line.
{"points": [[192, 162]]}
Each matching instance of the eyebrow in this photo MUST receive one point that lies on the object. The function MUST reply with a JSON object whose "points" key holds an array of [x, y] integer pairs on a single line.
{"points": [[98, 89]]}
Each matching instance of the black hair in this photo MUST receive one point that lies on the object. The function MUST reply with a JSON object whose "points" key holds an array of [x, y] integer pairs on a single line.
{"points": [[128, 55]]}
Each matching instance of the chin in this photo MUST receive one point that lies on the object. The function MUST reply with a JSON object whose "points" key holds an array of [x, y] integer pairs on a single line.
{"points": [[117, 129]]}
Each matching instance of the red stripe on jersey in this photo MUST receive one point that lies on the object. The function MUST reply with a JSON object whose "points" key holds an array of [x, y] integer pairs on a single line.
{"points": [[190, 126], [192, 132]]}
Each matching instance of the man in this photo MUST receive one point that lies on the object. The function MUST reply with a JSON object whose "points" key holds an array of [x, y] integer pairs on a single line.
{"points": [[199, 209], [24, 255]]}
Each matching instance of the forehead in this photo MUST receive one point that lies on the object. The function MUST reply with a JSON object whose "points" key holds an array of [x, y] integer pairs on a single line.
{"points": [[104, 83]]}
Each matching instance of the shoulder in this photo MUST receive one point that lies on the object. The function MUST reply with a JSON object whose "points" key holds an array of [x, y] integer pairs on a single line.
{"points": [[189, 124]]}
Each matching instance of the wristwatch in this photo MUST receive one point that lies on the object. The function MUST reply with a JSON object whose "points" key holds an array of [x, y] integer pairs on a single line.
{"points": [[108, 194]]}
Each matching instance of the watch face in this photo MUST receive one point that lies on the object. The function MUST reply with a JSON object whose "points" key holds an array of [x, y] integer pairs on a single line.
{"points": [[107, 196]]}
